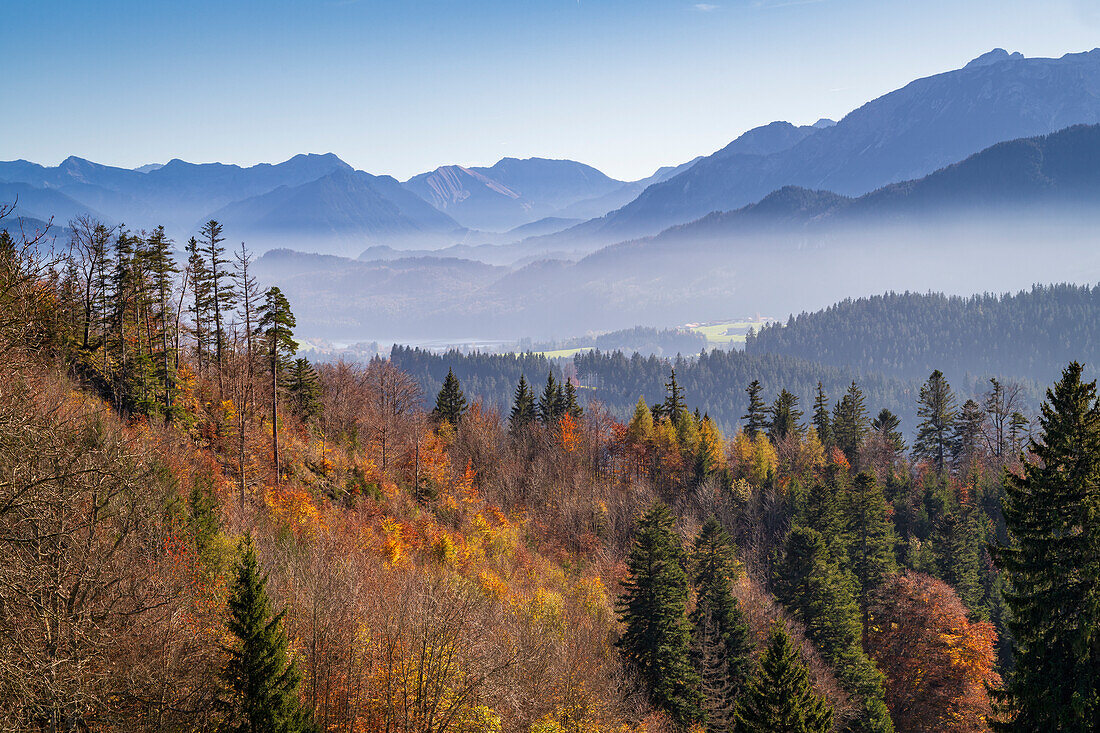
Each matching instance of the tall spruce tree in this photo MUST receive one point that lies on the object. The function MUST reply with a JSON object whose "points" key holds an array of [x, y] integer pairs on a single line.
{"points": [[873, 541], [850, 422], [277, 323], [304, 389], [888, 425], [756, 414], [450, 404], [822, 424], [721, 645], [674, 406], [260, 677], [937, 417], [779, 696], [966, 436], [572, 407], [198, 277], [784, 417], [523, 407], [551, 406], [814, 589], [222, 295], [1052, 567], [656, 641]]}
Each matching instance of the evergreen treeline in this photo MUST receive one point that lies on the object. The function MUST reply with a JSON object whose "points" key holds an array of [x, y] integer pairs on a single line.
{"points": [[1029, 335], [490, 378]]}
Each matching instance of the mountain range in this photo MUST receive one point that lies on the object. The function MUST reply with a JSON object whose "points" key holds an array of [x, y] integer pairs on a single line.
{"points": [[908, 133], [1019, 212]]}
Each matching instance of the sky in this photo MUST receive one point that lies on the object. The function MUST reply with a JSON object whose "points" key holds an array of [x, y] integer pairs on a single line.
{"points": [[400, 87]]}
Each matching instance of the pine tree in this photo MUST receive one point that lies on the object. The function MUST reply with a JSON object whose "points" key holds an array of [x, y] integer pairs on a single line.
{"points": [[888, 425], [721, 647], [551, 405], [222, 296], [572, 407], [756, 414], [164, 271], [304, 389], [873, 541], [674, 405], [811, 585], [198, 275], [260, 678], [276, 324], [450, 404], [656, 640], [640, 428], [937, 413], [785, 417], [850, 423], [523, 407], [821, 421], [779, 696], [1052, 512], [966, 436]]}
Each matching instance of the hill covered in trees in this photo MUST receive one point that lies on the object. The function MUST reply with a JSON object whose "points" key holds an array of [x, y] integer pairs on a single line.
{"points": [[199, 531], [1027, 335]]}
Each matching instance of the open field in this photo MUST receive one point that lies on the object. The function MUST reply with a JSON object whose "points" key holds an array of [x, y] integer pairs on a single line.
{"points": [[725, 333]]}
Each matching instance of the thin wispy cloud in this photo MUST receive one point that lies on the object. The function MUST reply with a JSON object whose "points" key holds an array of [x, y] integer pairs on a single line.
{"points": [[705, 7], [766, 4]]}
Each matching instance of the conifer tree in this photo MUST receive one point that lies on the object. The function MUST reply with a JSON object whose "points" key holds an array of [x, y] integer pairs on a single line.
{"points": [[551, 406], [523, 407], [164, 270], [304, 389], [873, 541], [850, 422], [222, 296], [721, 647], [674, 406], [937, 414], [1052, 512], [260, 677], [785, 417], [756, 414], [640, 428], [276, 324], [656, 641], [450, 404], [821, 421], [198, 276], [779, 696], [966, 436], [888, 425], [572, 407], [811, 585]]}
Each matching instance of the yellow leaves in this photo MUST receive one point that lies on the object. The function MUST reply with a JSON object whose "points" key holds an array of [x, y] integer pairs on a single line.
{"points": [[482, 719], [229, 411], [296, 509], [491, 584], [546, 612], [394, 547]]}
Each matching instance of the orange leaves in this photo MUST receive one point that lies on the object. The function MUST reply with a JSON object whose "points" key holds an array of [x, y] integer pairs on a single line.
{"points": [[938, 663], [296, 509], [569, 437]]}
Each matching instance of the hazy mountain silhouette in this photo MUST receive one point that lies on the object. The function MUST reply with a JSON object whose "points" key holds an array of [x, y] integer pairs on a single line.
{"points": [[905, 134]]}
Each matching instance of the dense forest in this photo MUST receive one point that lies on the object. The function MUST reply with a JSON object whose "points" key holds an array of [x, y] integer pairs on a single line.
{"points": [[199, 531], [1030, 335]]}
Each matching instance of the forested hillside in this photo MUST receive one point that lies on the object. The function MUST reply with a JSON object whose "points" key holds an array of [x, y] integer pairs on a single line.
{"points": [[1028, 335], [201, 532]]}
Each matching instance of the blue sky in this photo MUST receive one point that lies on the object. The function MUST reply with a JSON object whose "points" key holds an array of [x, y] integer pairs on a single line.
{"points": [[402, 86]]}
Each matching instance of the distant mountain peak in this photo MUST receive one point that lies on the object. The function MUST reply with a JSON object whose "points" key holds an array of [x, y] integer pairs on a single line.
{"points": [[993, 57], [823, 123]]}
